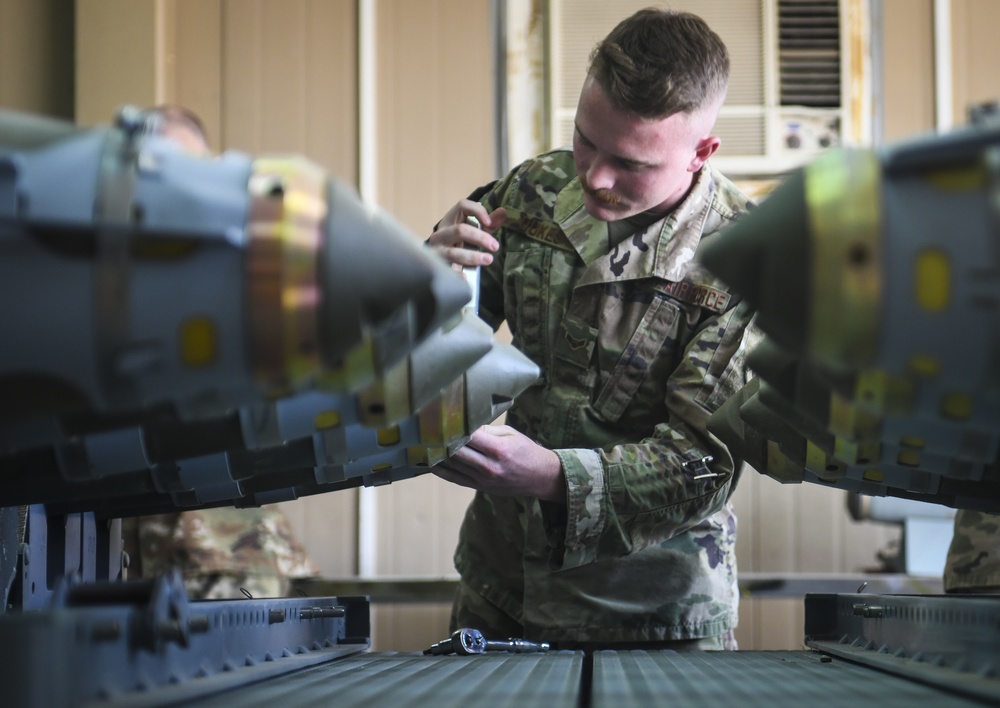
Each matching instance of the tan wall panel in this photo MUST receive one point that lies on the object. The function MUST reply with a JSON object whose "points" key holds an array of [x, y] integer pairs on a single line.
{"points": [[435, 106], [327, 525], [36, 56], [976, 55], [331, 127], [435, 122], [769, 524], [908, 66], [819, 518], [192, 61], [418, 522], [116, 56], [746, 631], [745, 501], [409, 627], [288, 85], [779, 624], [803, 528], [434, 139], [143, 53], [288, 80], [241, 76]]}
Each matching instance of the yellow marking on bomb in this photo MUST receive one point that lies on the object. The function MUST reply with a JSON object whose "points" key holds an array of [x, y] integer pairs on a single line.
{"points": [[197, 342], [932, 280]]}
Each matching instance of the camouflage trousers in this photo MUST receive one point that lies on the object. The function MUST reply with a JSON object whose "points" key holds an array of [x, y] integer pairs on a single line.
{"points": [[472, 610], [220, 552], [223, 586], [973, 561]]}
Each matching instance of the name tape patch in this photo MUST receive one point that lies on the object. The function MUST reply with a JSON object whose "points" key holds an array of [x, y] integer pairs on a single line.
{"points": [[697, 294], [544, 231]]}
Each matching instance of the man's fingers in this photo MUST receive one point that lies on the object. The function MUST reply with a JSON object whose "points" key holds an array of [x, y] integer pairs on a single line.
{"points": [[485, 437], [463, 210], [465, 460], [499, 431], [451, 241], [450, 475], [470, 208], [468, 459], [455, 470], [494, 220], [464, 256], [477, 237]]}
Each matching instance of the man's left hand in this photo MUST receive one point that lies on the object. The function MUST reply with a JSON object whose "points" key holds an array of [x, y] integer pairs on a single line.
{"points": [[499, 460]]}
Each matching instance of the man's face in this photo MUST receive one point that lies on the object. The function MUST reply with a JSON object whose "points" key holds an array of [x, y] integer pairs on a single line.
{"points": [[629, 164], [187, 138]]}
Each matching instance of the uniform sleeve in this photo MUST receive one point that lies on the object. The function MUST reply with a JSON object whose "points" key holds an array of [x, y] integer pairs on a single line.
{"points": [[635, 495], [491, 293]]}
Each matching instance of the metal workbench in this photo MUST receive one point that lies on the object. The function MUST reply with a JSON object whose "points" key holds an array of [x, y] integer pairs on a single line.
{"points": [[607, 678], [117, 648]]}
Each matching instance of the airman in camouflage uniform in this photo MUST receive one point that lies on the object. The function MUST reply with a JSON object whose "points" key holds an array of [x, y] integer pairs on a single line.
{"points": [[638, 345], [219, 552], [973, 561]]}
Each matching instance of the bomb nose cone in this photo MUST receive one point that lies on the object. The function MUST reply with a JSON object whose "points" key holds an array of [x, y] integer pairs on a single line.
{"points": [[437, 361], [372, 268], [494, 381], [765, 256], [448, 294]]}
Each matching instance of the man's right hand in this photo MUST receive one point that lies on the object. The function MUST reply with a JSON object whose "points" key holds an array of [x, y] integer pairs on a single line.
{"points": [[462, 244]]}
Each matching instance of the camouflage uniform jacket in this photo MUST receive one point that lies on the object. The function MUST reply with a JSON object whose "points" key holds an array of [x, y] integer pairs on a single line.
{"points": [[638, 345]]}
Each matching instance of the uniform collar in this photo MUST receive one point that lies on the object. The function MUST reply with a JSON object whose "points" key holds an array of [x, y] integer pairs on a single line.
{"points": [[662, 250], [588, 235]]}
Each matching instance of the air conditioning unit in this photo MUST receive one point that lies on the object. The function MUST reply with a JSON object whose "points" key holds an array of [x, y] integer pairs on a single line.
{"points": [[798, 84]]}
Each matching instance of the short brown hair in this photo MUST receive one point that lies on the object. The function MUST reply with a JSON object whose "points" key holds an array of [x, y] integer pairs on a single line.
{"points": [[660, 62], [165, 115]]}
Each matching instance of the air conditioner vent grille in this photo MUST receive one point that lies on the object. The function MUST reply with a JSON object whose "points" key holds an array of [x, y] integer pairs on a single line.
{"points": [[809, 53]]}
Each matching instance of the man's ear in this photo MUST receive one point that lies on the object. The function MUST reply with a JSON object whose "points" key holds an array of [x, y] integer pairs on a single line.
{"points": [[705, 148]]}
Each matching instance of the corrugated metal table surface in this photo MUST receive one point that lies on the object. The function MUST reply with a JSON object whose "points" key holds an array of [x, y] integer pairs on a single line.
{"points": [[751, 678], [413, 679], [619, 679]]}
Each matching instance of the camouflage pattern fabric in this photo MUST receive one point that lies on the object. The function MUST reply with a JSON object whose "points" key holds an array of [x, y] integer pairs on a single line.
{"points": [[973, 561], [473, 610], [638, 344], [219, 551]]}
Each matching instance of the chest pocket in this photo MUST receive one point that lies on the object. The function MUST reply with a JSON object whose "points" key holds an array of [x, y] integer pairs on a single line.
{"points": [[527, 292], [650, 344]]}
